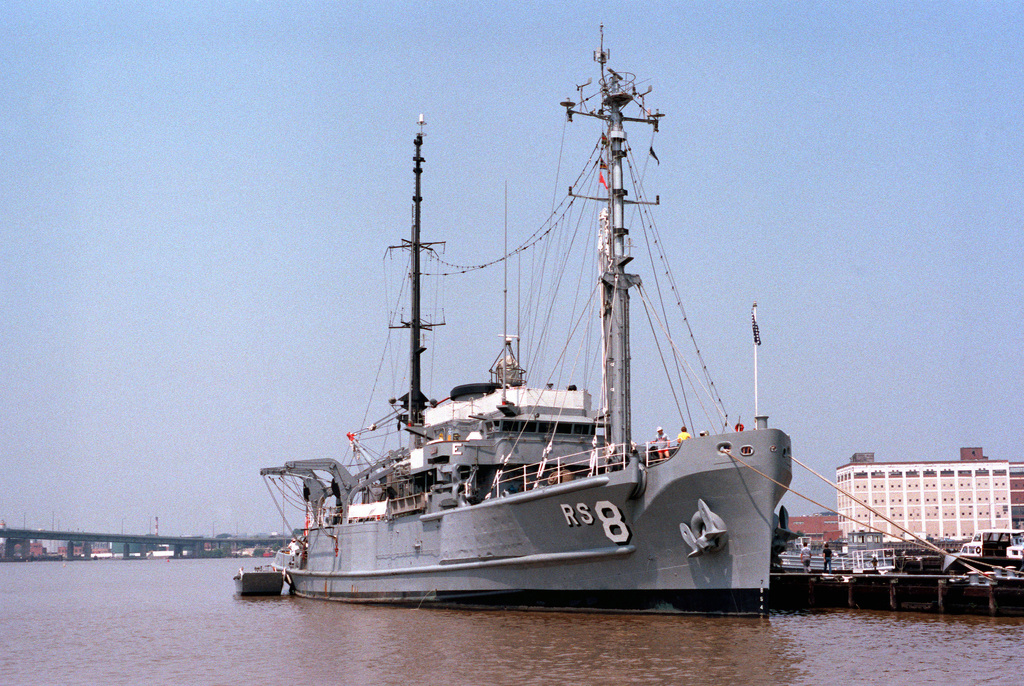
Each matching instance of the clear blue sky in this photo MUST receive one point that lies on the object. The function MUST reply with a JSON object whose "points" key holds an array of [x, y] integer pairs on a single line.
{"points": [[196, 199]]}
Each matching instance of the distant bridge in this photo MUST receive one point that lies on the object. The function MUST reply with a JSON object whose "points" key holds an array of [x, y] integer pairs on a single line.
{"points": [[17, 542]]}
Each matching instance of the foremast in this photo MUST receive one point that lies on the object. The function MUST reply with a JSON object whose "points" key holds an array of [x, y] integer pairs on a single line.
{"points": [[617, 91]]}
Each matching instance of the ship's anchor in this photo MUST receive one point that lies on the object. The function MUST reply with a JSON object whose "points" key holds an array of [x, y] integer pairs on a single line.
{"points": [[706, 532], [781, 535]]}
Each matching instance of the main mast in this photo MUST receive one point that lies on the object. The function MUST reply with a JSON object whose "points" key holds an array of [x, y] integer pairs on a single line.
{"points": [[615, 282], [617, 91], [414, 402], [417, 401]]}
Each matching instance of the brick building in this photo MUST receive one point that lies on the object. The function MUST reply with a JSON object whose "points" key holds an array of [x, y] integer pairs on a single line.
{"points": [[940, 499], [818, 527]]}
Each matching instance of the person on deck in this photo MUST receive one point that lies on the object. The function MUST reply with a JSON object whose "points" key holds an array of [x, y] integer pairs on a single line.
{"points": [[661, 444], [826, 553], [683, 434]]}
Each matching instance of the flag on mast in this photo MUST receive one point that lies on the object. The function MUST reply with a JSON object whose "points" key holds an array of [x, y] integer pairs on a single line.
{"points": [[753, 321]]}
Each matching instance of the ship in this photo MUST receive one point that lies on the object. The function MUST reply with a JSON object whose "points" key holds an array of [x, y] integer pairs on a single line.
{"points": [[507, 495]]}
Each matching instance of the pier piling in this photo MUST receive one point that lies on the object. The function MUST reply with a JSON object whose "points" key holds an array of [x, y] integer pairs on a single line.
{"points": [[971, 594]]}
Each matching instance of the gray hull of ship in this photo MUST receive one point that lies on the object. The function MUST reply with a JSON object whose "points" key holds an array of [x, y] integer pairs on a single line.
{"points": [[605, 542]]}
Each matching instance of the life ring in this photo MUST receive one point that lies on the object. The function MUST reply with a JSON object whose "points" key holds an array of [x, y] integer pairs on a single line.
{"points": [[739, 427]]}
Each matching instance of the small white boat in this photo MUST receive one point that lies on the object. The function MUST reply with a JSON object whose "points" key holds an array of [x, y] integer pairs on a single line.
{"points": [[1002, 543]]}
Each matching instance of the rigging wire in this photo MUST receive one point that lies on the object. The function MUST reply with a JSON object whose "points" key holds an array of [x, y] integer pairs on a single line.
{"points": [[649, 228], [664, 366], [389, 352], [539, 234], [280, 509], [560, 270], [638, 184], [384, 351], [697, 383], [926, 543], [558, 166], [572, 333]]}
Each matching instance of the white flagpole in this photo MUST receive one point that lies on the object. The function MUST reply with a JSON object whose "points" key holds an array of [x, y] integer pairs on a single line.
{"points": [[757, 342]]}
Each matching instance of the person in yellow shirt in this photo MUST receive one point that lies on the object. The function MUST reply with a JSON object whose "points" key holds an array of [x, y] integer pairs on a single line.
{"points": [[683, 434]]}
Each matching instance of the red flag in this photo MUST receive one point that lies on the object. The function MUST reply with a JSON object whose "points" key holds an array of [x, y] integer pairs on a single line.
{"points": [[600, 177]]}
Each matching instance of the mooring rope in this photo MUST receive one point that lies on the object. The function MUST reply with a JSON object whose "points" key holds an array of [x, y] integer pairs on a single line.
{"points": [[924, 542]]}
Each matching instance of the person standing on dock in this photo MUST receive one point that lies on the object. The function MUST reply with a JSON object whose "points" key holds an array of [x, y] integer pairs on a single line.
{"points": [[805, 557], [826, 553]]}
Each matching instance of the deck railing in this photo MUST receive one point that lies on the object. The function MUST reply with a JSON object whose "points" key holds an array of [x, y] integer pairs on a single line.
{"points": [[522, 478]]}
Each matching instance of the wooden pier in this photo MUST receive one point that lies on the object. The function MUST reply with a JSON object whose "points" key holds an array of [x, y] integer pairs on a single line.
{"points": [[974, 594]]}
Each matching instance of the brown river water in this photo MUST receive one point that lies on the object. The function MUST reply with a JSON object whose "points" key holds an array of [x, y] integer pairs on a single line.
{"points": [[179, 622]]}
